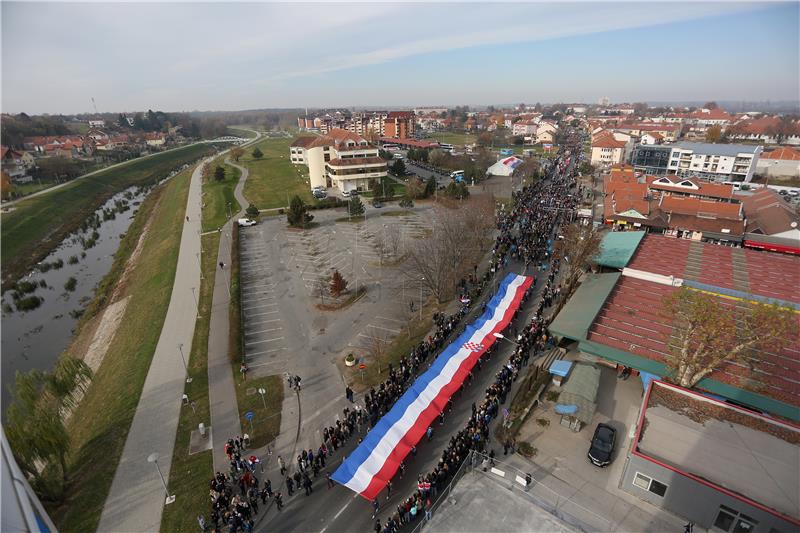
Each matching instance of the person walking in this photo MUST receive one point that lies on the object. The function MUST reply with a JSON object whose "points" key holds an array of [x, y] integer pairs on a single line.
{"points": [[279, 500], [376, 506], [330, 481], [388, 489], [429, 432], [282, 465]]}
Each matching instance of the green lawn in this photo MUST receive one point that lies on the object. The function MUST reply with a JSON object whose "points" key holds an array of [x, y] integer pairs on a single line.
{"points": [[246, 133], [273, 179], [37, 225], [100, 424], [217, 195], [189, 473], [454, 138]]}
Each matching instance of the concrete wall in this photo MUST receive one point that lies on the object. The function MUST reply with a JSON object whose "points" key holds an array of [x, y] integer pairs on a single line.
{"points": [[315, 158], [778, 168], [692, 500]]}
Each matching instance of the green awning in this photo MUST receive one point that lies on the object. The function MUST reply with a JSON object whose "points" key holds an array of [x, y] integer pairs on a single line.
{"points": [[618, 247], [577, 315]]}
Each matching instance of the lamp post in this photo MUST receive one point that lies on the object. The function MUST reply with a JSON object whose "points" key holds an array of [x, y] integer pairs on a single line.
{"points": [[153, 458], [196, 304], [262, 391], [420, 297], [199, 265], [183, 358]]}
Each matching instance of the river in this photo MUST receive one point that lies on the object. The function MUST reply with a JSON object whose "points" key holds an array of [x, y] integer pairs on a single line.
{"points": [[35, 338]]}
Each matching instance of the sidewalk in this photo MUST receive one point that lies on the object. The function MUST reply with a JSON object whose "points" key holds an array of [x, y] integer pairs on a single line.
{"points": [[225, 422], [136, 499]]}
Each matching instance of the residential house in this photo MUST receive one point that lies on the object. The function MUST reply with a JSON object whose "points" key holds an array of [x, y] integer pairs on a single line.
{"points": [[15, 163], [649, 138], [97, 123], [546, 132], [766, 129], [523, 128], [769, 214], [154, 139], [609, 148]]}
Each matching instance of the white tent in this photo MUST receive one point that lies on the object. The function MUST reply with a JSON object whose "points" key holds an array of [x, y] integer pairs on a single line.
{"points": [[504, 167]]}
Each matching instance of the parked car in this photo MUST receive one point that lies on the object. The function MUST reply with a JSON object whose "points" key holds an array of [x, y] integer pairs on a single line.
{"points": [[350, 194], [318, 188], [603, 442], [319, 194], [377, 204], [246, 222]]}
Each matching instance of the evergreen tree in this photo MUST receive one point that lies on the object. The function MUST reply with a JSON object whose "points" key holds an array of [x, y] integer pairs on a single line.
{"points": [[219, 173], [257, 154], [355, 208], [298, 215]]}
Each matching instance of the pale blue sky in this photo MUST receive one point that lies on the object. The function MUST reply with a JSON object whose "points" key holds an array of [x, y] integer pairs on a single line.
{"points": [[206, 56]]}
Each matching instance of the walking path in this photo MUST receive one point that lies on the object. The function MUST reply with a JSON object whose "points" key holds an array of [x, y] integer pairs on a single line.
{"points": [[136, 499], [221, 384]]}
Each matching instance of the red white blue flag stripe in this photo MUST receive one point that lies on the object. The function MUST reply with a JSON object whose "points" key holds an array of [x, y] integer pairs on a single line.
{"points": [[368, 469]]}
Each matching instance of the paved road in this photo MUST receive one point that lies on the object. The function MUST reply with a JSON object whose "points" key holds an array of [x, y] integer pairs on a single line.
{"points": [[136, 499], [221, 385]]}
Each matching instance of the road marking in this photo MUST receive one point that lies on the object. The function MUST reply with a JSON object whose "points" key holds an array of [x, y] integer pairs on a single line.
{"points": [[265, 313], [381, 327], [263, 331], [262, 322], [262, 342], [260, 306]]}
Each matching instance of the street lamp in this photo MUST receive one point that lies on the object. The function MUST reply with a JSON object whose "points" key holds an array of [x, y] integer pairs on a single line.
{"points": [[199, 264], [262, 391], [501, 336], [153, 458], [196, 304], [420, 297], [186, 368]]}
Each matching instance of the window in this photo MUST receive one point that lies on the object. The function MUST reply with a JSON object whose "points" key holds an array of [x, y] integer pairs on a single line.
{"points": [[732, 521], [647, 483]]}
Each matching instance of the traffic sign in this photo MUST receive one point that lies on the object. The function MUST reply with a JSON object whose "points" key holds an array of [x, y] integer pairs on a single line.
{"points": [[249, 415]]}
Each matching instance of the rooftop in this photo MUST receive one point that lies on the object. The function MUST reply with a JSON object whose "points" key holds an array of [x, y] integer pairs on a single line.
{"points": [[730, 150], [767, 213], [618, 247], [693, 186], [750, 455], [699, 207], [784, 153]]}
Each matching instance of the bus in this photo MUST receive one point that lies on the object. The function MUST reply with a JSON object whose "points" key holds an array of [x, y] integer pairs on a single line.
{"points": [[446, 147], [390, 147]]}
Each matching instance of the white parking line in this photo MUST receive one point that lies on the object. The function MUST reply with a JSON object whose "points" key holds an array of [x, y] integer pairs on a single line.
{"points": [[381, 327], [264, 352], [262, 331], [264, 341], [258, 307], [262, 314], [391, 319], [262, 322]]}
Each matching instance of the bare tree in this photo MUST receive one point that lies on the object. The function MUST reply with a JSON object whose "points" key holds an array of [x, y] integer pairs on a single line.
{"points": [[459, 239], [580, 246], [708, 333]]}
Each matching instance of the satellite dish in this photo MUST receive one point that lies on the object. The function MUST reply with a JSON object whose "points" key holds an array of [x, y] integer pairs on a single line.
{"points": [[793, 224]]}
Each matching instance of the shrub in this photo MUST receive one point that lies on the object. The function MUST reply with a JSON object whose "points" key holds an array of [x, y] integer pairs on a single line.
{"points": [[526, 449], [73, 259], [29, 303], [71, 284], [25, 287], [251, 211], [406, 203], [552, 396]]}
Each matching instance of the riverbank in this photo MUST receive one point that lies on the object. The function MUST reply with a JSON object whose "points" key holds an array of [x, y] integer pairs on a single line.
{"points": [[100, 424], [38, 225]]}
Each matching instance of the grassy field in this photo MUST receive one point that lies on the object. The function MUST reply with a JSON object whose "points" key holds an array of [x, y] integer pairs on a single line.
{"points": [[190, 473], [101, 423], [37, 225], [242, 131], [454, 138], [273, 179], [218, 194]]}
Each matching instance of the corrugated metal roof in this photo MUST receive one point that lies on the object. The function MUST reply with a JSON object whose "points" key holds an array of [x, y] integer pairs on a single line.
{"points": [[731, 150], [577, 315], [618, 248]]}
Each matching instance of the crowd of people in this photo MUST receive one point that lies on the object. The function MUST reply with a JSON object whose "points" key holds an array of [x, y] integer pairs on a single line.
{"points": [[525, 233]]}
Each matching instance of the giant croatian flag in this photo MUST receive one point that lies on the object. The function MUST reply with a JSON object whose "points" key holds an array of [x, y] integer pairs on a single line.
{"points": [[378, 457]]}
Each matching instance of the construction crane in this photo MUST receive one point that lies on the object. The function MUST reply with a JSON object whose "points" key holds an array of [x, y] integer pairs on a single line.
{"points": [[95, 106]]}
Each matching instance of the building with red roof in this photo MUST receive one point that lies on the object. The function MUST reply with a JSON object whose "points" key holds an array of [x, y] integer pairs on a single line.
{"points": [[783, 162], [619, 318], [340, 159], [609, 148]]}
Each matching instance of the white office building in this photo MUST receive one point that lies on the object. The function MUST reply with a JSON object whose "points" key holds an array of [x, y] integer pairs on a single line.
{"points": [[718, 162]]}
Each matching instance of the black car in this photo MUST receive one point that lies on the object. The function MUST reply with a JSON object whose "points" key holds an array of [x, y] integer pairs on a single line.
{"points": [[603, 441]]}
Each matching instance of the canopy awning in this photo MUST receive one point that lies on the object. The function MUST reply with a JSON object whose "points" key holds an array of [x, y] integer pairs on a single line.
{"points": [[580, 393]]}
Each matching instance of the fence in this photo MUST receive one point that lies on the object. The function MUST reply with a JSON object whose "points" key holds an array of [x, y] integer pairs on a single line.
{"points": [[505, 475]]}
